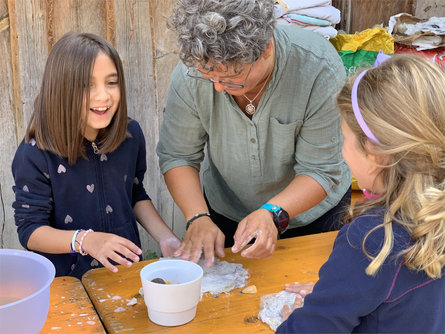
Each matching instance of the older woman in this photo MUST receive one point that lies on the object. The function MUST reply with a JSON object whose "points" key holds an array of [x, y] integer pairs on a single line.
{"points": [[260, 99]]}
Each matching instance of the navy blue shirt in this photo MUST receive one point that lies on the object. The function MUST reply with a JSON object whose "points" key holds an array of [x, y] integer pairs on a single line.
{"points": [[347, 300], [98, 193]]}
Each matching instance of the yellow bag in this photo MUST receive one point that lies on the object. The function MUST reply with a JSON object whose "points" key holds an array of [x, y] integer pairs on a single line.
{"points": [[361, 49]]}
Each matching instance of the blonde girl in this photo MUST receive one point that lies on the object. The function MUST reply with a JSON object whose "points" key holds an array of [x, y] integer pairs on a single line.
{"points": [[386, 271]]}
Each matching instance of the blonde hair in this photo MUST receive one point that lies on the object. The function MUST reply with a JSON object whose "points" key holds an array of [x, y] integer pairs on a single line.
{"points": [[403, 103]]}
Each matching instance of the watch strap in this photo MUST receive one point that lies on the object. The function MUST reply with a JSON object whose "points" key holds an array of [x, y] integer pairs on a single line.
{"points": [[270, 207]]}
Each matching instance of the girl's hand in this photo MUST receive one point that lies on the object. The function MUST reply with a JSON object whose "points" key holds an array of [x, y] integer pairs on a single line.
{"points": [[301, 288], [169, 246], [297, 304], [106, 246]]}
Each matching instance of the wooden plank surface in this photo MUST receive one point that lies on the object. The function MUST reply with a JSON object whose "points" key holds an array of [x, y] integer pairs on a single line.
{"points": [[32, 46], [358, 15], [75, 15], [8, 140], [134, 43], [70, 309], [165, 58], [428, 8], [295, 260]]}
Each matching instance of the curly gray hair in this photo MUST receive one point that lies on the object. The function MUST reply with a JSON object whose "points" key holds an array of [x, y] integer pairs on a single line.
{"points": [[227, 32]]}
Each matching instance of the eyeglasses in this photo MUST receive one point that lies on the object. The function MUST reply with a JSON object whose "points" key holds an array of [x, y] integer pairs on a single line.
{"points": [[222, 82]]}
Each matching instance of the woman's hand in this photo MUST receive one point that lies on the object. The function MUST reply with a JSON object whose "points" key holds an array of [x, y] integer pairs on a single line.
{"points": [[169, 246], [202, 234], [259, 225], [106, 246]]}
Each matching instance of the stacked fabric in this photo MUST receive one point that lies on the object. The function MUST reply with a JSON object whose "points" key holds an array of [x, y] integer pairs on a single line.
{"points": [[316, 15]]}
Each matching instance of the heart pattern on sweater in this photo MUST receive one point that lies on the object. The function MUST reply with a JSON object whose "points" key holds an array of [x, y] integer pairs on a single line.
{"points": [[103, 157], [136, 180], [108, 209], [68, 219], [90, 187], [94, 263], [61, 169], [25, 188]]}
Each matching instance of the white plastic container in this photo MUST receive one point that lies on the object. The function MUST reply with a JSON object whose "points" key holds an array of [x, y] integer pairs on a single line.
{"points": [[25, 279], [175, 303]]}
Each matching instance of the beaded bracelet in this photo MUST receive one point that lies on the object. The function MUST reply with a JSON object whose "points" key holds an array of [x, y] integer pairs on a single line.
{"points": [[81, 250], [73, 240], [196, 217]]}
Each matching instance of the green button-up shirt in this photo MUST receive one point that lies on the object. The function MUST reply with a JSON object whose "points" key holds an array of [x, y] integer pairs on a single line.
{"points": [[295, 130]]}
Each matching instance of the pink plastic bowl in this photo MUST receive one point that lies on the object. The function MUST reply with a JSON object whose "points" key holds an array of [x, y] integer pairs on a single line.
{"points": [[25, 278]]}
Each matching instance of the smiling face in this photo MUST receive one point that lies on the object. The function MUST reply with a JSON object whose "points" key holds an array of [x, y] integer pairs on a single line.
{"points": [[104, 96]]}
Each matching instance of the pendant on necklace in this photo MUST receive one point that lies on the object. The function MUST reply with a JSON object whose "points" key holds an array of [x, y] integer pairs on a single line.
{"points": [[250, 109]]}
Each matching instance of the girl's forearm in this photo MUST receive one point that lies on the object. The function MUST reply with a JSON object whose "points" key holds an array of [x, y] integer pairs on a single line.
{"points": [[47, 239], [152, 222]]}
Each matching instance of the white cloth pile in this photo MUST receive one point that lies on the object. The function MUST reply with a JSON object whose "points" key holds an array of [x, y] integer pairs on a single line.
{"points": [[423, 34], [315, 15]]}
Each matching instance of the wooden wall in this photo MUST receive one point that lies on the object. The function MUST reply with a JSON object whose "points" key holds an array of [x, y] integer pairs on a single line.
{"points": [[29, 28], [358, 15]]}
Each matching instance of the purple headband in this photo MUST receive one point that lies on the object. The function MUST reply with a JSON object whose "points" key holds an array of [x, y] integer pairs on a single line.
{"points": [[356, 109], [358, 115]]}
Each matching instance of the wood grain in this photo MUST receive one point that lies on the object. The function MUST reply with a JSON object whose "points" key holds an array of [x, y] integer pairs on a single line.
{"points": [[165, 57], [134, 43], [70, 309], [428, 8], [75, 15], [8, 138], [295, 260], [358, 15]]}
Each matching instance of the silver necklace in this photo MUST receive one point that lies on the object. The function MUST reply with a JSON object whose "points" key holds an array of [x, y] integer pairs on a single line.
{"points": [[250, 108]]}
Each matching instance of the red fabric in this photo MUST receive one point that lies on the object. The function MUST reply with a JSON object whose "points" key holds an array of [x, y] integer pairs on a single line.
{"points": [[437, 55]]}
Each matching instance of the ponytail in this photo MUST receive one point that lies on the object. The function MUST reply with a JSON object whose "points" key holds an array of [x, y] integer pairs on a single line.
{"points": [[427, 251]]}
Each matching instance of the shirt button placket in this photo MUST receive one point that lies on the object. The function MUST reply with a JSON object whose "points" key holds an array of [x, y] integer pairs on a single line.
{"points": [[255, 166]]}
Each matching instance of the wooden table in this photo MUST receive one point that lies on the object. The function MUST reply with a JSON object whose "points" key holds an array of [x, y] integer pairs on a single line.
{"points": [[70, 309], [295, 260]]}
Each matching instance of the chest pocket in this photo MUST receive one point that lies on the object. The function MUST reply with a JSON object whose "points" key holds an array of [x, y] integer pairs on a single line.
{"points": [[282, 140]]}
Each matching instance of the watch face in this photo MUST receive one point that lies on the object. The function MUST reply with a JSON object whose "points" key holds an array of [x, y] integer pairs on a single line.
{"points": [[281, 220]]}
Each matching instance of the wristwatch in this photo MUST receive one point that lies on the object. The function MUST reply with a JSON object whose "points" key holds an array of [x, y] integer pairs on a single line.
{"points": [[279, 215]]}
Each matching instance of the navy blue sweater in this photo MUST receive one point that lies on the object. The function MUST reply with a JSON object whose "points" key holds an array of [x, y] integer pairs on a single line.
{"points": [[346, 300], [98, 193]]}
